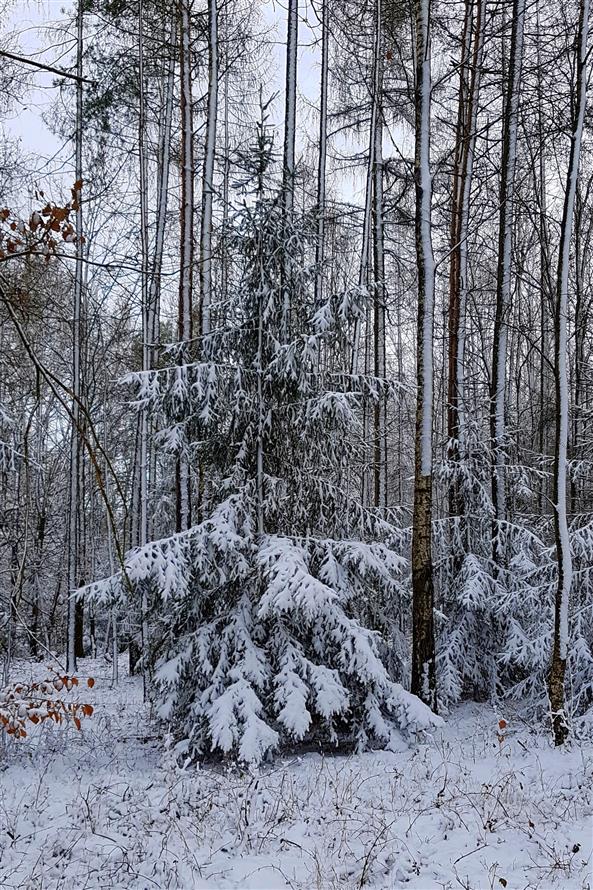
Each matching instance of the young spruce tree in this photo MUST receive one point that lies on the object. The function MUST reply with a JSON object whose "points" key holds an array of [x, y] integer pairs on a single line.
{"points": [[262, 613]]}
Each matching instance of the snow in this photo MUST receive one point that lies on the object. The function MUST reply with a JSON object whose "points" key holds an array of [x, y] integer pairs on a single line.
{"points": [[109, 807]]}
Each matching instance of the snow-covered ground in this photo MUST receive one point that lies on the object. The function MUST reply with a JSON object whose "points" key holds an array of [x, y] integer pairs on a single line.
{"points": [[107, 807]]}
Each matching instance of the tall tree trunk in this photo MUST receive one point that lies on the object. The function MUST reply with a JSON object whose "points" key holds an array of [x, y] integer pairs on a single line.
{"points": [[208, 176], [288, 167], [469, 79], [289, 157], [563, 554], [379, 408], [74, 504], [363, 272], [147, 331], [423, 643], [322, 160], [154, 295], [503, 280], [184, 317]]}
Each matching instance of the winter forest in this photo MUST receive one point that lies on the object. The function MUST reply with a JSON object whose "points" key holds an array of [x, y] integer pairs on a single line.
{"points": [[296, 444]]}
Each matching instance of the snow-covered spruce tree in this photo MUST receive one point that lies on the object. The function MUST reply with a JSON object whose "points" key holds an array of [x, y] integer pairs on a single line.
{"points": [[496, 625], [264, 615]]}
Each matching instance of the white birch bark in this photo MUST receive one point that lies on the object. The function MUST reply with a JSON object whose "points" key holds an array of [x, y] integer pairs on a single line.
{"points": [[563, 552]]}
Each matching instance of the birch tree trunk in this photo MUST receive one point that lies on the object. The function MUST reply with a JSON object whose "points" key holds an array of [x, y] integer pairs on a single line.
{"points": [[563, 553], [503, 280], [423, 643]]}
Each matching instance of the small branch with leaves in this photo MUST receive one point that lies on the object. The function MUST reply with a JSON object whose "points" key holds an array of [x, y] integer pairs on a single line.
{"points": [[35, 702]]}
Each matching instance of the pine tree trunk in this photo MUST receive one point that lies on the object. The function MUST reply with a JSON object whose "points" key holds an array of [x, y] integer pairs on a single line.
{"points": [[74, 503], [423, 642]]}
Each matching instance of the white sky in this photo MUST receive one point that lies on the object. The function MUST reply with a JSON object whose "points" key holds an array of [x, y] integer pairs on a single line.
{"points": [[29, 27]]}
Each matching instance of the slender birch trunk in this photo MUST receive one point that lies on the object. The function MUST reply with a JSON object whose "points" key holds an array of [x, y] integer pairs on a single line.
{"points": [[503, 281], [423, 643], [563, 553]]}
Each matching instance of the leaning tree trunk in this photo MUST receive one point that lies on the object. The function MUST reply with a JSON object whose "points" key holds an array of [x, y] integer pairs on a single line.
{"points": [[503, 280], [423, 645], [563, 554]]}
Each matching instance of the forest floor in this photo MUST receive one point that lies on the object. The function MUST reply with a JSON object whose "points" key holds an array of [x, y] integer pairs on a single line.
{"points": [[107, 808]]}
